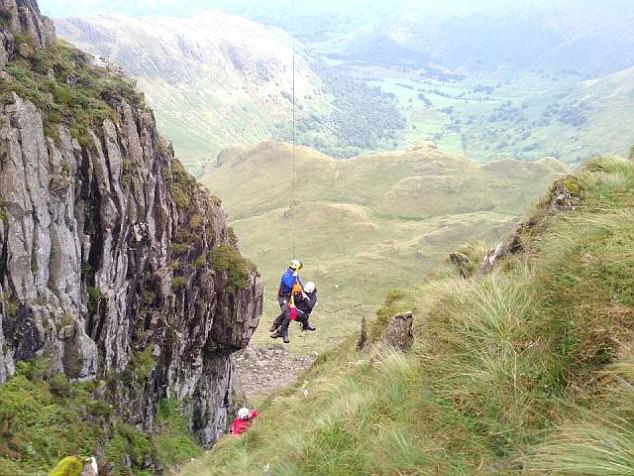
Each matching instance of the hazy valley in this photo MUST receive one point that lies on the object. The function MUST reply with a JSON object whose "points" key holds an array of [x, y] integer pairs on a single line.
{"points": [[486, 100], [217, 80]]}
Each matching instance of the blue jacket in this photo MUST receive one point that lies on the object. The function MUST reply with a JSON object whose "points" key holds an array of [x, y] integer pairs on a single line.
{"points": [[286, 283]]}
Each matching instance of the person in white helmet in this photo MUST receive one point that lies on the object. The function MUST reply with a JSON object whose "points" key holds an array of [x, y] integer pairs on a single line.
{"points": [[306, 305], [243, 421]]}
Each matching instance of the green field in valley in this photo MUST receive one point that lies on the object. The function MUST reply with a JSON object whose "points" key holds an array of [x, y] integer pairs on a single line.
{"points": [[527, 116]]}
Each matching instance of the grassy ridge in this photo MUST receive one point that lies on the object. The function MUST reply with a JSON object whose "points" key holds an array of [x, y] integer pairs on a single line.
{"points": [[528, 369]]}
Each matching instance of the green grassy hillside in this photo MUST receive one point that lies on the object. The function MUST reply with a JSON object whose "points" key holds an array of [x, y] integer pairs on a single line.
{"points": [[526, 370], [366, 225]]}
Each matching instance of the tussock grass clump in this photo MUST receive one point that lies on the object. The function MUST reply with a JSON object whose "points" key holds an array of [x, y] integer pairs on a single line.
{"points": [[526, 369], [598, 446]]}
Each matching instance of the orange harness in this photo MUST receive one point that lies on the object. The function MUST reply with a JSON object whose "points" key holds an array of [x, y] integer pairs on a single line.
{"points": [[297, 290]]}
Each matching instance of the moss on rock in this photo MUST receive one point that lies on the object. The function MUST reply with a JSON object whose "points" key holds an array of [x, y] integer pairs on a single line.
{"points": [[227, 258], [69, 466]]}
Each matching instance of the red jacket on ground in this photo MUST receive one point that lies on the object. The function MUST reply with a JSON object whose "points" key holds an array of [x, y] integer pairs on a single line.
{"points": [[239, 425]]}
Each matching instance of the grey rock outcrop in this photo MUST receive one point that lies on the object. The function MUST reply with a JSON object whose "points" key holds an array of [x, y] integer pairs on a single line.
{"points": [[362, 341], [264, 370], [462, 263], [564, 196], [91, 279], [399, 333], [509, 247], [22, 17]]}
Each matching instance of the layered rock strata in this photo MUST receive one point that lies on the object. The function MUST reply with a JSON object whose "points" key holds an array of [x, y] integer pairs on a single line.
{"points": [[114, 264]]}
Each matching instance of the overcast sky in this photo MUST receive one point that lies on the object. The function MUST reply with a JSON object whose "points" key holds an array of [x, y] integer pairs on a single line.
{"points": [[61, 8], [65, 8]]}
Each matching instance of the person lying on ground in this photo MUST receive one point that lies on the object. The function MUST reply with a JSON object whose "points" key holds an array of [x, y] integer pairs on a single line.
{"points": [[243, 421]]}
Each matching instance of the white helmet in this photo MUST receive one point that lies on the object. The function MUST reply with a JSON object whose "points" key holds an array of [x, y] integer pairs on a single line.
{"points": [[309, 287], [295, 265], [243, 413]]}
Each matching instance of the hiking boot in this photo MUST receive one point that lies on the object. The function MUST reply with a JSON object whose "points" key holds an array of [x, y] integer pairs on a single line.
{"points": [[308, 327], [276, 334], [285, 339]]}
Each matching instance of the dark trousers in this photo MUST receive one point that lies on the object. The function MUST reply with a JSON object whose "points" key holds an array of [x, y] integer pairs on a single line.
{"points": [[286, 320], [282, 320]]}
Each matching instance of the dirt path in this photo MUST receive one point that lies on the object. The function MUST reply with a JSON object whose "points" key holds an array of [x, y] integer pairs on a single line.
{"points": [[262, 371]]}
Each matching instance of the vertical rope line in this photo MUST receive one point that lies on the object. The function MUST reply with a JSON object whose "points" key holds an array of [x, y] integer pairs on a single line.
{"points": [[293, 119]]}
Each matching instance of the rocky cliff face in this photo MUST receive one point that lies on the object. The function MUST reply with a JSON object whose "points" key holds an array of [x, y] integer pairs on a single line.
{"points": [[22, 17], [114, 264]]}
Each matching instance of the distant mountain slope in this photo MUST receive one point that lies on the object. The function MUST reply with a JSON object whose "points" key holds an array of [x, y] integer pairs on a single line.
{"points": [[605, 49], [535, 116], [217, 79], [590, 40], [365, 225]]}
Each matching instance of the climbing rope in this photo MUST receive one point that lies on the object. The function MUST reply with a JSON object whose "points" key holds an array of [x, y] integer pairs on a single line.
{"points": [[293, 203], [293, 126]]}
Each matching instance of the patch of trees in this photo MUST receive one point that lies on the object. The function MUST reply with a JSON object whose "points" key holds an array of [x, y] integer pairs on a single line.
{"points": [[363, 118], [442, 76], [509, 113], [571, 115], [443, 94], [481, 88]]}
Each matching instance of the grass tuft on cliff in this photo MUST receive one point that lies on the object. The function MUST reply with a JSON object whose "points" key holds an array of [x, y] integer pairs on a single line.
{"points": [[226, 257], [527, 369], [61, 81]]}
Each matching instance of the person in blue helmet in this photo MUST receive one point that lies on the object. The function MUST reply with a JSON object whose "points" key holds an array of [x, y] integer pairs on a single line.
{"points": [[290, 282]]}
